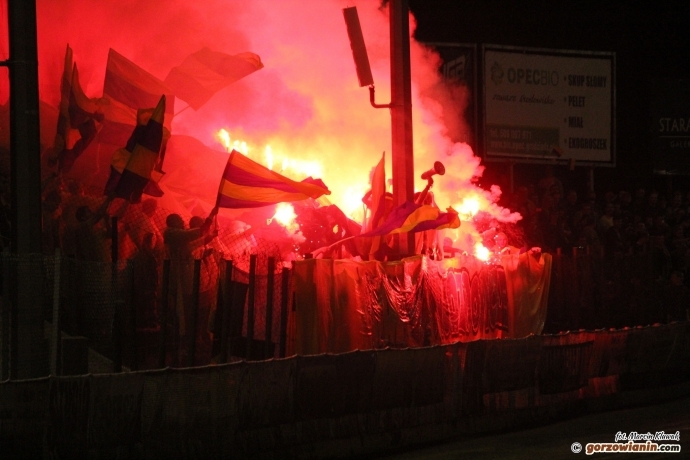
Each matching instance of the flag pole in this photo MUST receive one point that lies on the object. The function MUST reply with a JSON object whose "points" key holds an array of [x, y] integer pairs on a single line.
{"points": [[176, 114]]}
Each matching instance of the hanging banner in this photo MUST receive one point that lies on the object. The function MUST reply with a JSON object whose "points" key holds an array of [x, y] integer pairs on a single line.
{"points": [[553, 105], [344, 305]]}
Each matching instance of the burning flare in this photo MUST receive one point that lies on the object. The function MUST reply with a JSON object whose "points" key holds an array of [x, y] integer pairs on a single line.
{"points": [[285, 216], [481, 252], [223, 137], [468, 208]]}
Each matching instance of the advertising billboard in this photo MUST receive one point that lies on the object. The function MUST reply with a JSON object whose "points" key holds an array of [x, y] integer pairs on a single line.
{"points": [[548, 105]]}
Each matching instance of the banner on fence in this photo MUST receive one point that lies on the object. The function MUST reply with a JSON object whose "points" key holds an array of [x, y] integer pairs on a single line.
{"points": [[343, 305]]}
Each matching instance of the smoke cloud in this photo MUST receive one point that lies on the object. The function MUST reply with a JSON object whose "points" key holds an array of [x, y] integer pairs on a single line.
{"points": [[305, 103]]}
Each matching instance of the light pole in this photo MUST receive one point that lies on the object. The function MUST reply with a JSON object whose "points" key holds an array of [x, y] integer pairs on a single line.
{"points": [[28, 350]]}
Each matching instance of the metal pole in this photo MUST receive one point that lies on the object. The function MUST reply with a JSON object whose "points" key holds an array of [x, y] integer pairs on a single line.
{"points": [[284, 310], [269, 306], [228, 293], [162, 344], [25, 158], [195, 310], [401, 113], [56, 358], [250, 305], [114, 243], [118, 307], [133, 317], [5, 342]]}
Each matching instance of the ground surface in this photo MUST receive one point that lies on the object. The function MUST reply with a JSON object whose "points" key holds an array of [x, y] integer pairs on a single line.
{"points": [[554, 441]]}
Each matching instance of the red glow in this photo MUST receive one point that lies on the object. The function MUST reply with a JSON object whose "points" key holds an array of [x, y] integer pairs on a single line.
{"points": [[226, 141], [302, 115], [481, 252], [285, 216]]}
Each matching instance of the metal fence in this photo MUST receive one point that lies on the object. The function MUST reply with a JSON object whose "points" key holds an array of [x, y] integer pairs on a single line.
{"points": [[111, 293], [131, 315]]}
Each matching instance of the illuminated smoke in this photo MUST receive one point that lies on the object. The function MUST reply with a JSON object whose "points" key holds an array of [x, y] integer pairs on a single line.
{"points": [[285, 215], [303, 113], [481, 252]]}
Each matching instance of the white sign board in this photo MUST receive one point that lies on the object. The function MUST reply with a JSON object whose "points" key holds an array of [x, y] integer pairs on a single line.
{"points": [[549, 105]]}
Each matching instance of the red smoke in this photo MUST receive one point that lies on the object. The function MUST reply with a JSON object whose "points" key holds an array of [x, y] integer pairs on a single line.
{"points": [[305, 103]]}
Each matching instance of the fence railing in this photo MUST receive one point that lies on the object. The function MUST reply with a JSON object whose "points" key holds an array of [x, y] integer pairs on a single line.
{"points": [[344, 405], [106, 317], [132, 315], [589, 291]]}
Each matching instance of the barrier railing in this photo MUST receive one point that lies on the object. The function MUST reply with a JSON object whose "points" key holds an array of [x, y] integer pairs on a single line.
{"points": [[128, 314], [343, 405]]}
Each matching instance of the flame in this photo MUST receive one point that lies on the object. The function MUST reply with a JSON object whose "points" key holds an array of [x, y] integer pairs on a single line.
{"points": [[481, 252], [285, 216], [223, 136], [302, 167], [294, 168], [469, 207], [306, 102], [351, 202], [269, 157]]}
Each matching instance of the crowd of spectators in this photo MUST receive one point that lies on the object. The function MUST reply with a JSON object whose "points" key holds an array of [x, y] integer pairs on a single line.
{"points": [[609, 223], [617, 223], [612, 224]]}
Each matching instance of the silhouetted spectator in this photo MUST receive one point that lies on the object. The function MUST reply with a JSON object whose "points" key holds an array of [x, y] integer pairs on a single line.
{"points": [[5, 225], [606, 220], [208, 288], [548, 181], [92, 234], [180, 243], [528, 210], [613, 239], [638, 237], [625, 206], [588, 235], [675, 299], [51, 224], [679, 248], [145, 287], [653, 207], [639, 202]]}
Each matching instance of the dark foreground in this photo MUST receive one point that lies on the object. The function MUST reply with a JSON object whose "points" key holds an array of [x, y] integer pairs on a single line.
{"points": [[555, 440]]}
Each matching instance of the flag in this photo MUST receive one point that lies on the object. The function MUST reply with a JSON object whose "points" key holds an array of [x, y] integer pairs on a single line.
{"points": [[127, 89], [410, 217], [132, 167], [84, 119], [204, 73], [63, 114], [378, 194], [248, 184], [119, 160], [377, 206]]}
